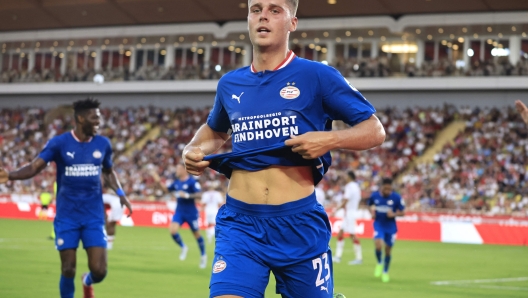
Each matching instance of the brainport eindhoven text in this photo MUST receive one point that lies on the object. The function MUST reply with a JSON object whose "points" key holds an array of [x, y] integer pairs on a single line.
{"points": [[265, 126]]}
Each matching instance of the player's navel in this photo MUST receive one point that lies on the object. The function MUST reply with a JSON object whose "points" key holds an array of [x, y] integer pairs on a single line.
{"points": [[266, 193]]}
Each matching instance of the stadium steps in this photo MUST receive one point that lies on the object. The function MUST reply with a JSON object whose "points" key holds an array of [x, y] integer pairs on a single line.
{"points": [[150, 135], [445, 136]]}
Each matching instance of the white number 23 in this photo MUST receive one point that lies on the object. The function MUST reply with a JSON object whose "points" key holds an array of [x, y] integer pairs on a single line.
{"points": [[318, 265]]}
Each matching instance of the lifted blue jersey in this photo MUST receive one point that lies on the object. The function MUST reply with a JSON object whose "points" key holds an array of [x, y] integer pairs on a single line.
{"points": [[262, 109], [190, 186], [383, 204], [79, 167]]}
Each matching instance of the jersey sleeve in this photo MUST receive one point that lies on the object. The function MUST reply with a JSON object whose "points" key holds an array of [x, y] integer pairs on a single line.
{"points": [[341, 100], [218, 118], [172, 187], [107, 161], [197, 187], [400, 205], [370, 201], [50, 150]]}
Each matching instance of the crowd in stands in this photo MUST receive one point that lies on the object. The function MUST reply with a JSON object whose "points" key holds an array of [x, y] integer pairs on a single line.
{"points": [[144, 73], [481, 172], [350, 68]]}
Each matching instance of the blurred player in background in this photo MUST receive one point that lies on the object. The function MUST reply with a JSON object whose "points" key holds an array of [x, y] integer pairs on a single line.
{"points": [[116, 212], [45, 200], [187, 190], [350, 203], [320, 195], [212, 199], [81, 157], [385, 206], [279, 113]]}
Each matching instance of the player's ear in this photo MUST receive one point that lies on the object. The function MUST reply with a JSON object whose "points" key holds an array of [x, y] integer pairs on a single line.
{"points": [[293, 24]]}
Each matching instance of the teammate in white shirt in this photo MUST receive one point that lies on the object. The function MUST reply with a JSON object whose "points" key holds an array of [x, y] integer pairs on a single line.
{"points": [[350, 203], [320, 194], [115, 214], [212, 199]]}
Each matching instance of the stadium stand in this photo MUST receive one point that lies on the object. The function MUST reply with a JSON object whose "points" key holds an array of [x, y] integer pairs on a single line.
{"points": [[449, 183]]}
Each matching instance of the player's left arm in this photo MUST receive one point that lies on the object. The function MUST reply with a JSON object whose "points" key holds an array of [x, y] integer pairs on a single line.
{"points": [[110, 178], [399, 209], [363, 136], [340, 101]]}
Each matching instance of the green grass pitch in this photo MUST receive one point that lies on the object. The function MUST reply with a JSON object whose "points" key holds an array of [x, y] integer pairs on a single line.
{"points": [[144, 263]]}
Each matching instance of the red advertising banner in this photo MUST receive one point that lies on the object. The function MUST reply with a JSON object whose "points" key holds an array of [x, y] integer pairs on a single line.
{"points": [[414, 226]]}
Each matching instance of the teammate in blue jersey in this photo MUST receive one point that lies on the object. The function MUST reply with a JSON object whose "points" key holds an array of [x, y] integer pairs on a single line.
{"points": [[278, 113], [187, 190], [81, 157], [385, 206]]}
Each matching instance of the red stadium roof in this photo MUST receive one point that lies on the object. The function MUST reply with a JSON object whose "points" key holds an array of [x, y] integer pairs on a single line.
{"points": [[49, 14]]}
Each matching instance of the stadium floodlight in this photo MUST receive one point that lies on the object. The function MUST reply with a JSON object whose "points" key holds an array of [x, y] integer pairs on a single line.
{"points": [[470, 52]]}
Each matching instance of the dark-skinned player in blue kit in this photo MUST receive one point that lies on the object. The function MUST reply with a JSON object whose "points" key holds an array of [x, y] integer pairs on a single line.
{"points": [[81, 157]]}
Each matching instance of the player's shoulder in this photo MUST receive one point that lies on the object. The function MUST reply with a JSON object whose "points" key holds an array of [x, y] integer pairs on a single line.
{"points": [[313, 66], [60, 139], [396, 195], [102, 139], [234, 76], [375, 195]]}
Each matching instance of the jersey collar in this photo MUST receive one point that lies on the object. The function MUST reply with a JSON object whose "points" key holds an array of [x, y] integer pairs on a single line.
{"points": [[283, 64], [77, 139]]}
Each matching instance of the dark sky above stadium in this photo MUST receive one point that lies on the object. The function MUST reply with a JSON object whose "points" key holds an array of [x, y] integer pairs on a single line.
{"points": [[48, 14]]}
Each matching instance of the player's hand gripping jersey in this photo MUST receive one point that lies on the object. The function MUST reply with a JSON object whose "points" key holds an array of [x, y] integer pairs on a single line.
{"points": [[79, 168], [262, 109]]}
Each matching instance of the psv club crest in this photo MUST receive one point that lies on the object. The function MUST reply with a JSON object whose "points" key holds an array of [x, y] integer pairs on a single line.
{"points": [[290, 91]]}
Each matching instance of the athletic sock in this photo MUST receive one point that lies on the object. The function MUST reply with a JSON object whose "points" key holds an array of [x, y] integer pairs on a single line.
{"points": [[339, 248], [201, 244], [378, 256], [358, 252], [178, 239], [387, 263], [210, 233], [110, 241], [66, 287]]}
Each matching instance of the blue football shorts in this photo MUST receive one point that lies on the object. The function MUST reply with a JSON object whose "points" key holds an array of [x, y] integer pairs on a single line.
{"points": [[290, 240], [188, 216], [388, 235], [68, 233]]}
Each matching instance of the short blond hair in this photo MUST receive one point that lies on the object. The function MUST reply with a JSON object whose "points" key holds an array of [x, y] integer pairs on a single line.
{"points": [[294, 4]]}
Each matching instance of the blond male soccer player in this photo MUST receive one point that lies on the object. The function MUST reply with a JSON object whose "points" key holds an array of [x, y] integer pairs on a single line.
{"points": [[278, 113]]}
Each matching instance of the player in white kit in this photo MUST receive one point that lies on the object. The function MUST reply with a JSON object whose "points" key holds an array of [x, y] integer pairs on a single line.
{"points": [[115, 214], [350, 203], [212, 199]]}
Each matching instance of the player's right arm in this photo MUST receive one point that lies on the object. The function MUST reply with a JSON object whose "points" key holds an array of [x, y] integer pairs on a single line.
{"points": [[28, 171], [48, 153], [209, 137], [204, 142]]}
